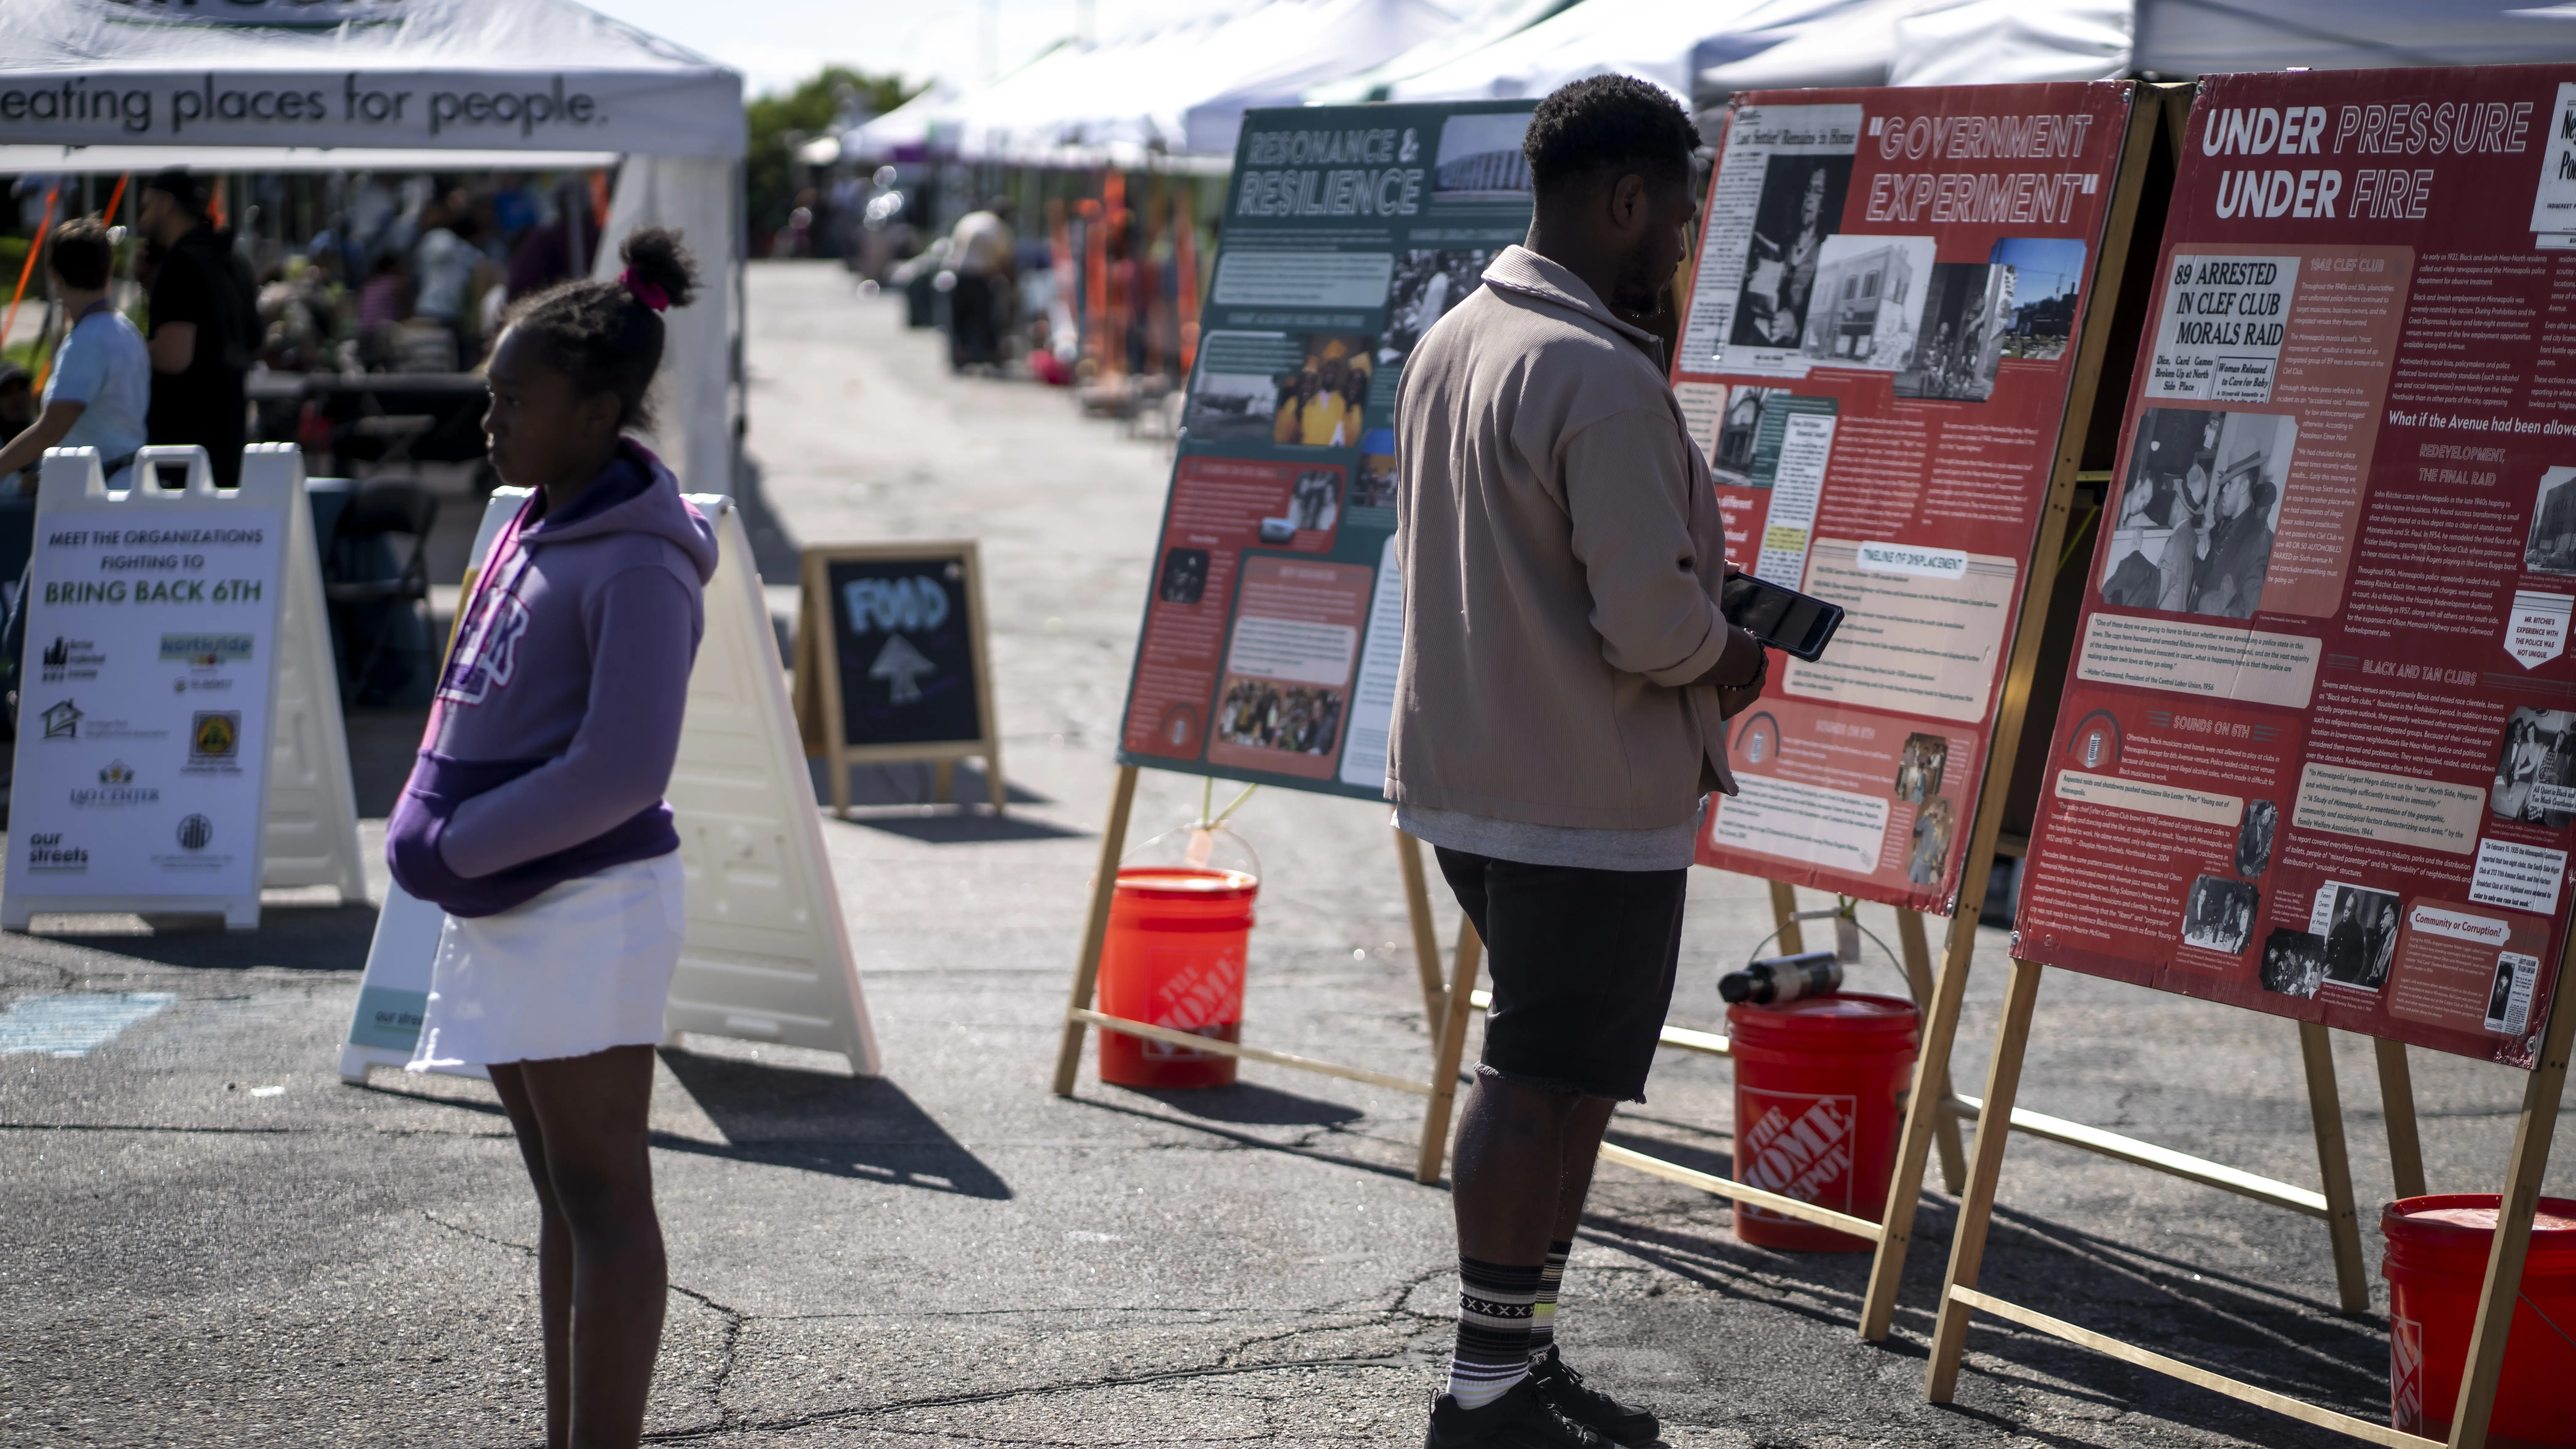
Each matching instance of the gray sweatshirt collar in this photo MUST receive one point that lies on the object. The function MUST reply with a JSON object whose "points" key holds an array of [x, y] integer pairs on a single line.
{"points": [[1518, 269]]}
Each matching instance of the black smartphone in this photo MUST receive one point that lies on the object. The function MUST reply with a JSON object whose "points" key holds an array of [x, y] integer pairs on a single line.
{"points": [[1782, 618]]}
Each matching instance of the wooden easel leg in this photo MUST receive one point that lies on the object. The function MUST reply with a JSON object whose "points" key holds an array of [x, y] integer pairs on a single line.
{"points": [[1977, 1204], [2334, 1162], [2397, 1101], [1426, 935], [1784, 909], [2522, 1179], [1453, 1045], [943, 779], [994, 788], [1922, 1114], [1104, 886], [1936, 1078]]}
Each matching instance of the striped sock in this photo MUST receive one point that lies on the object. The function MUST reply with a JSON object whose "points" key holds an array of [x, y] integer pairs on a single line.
{"points": [[1543, 1312], [1494, 1305]]}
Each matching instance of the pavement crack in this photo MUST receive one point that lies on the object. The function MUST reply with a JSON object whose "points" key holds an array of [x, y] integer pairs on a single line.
{"points": [[994, 1396]]}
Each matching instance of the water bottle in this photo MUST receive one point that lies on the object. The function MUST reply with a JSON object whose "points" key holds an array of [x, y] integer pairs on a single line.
{"points": [[1778, 979]]}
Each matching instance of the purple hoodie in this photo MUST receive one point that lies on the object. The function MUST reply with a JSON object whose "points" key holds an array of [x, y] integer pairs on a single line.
{"points": [[557, 718]]}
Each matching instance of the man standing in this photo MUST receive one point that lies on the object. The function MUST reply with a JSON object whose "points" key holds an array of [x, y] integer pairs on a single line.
{"points": [[979, 252], [205, 327], [2240, 547], [1566, 671], [101, 382]]}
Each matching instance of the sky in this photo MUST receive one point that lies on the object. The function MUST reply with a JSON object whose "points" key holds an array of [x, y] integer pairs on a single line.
{"points": [[775, 43]]}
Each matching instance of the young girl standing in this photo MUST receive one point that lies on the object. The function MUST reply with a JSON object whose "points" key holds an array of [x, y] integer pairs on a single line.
{"points": [[535, 818]]}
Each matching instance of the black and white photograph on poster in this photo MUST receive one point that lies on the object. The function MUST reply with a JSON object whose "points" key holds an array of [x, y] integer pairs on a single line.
{"points": [[1185, 576], [1234, 395], [2192, 533], [1426, 285], [1867, 310], [1315, 500], [2535, 769], [2551, 548], [1801, 208], [2294, 962], [1929, 852], [1738, 430], [2509, 1001], [1919, 764], [1480, 159], [2219, 914], [2360, 931], [2254, 838], [2047, 274], [1966, 307]]}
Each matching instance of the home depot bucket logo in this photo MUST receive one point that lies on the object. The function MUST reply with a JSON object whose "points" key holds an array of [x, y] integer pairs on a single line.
{"points": [[1201, 994], [1798, 1146], [2406, 1374]]}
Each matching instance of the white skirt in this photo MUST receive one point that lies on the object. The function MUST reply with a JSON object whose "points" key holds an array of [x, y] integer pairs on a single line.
{"points": [[579, 969]]}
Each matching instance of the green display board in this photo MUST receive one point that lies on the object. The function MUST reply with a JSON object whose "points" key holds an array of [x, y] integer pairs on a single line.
{"points": [[1273, 620]]}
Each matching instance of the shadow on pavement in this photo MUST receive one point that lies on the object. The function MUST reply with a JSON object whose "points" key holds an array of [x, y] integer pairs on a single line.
{"points": [[863, 1127], [2286, 1341], [296, 938], [912, 784], [1245, 1104], [963, 829]]}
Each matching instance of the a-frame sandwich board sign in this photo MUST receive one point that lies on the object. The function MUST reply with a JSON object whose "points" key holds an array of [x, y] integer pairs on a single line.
{"points": [[181, 742], [766, 955]]}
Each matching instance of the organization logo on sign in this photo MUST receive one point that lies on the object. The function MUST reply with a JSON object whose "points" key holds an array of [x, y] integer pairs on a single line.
{"points": [[47, 854], [70, 659], [195, 831], [215, 736], [62, 720], [205, 651], [116, 787]]}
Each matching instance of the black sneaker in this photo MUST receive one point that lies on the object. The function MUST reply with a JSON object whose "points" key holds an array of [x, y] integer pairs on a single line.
{"points": [[1567, 1393], [1519, 1419]]}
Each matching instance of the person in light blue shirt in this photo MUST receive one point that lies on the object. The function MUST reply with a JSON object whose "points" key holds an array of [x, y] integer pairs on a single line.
{"points": [[101, 382]]}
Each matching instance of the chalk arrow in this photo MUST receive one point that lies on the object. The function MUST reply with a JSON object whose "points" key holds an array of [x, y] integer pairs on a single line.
{"points": [[896, 664]]}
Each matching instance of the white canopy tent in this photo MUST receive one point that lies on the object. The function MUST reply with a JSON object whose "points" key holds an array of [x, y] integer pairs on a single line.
{"points": [[1171, 94], [101, 85], [1471, 34], [1667, 42], [2193, 37]]}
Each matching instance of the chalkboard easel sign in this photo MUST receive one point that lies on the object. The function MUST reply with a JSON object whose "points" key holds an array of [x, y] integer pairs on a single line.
{"points": [[891, 662]]}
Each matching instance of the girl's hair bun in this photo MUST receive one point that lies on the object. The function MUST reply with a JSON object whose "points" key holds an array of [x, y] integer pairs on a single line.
{"points": [[657, 256]]}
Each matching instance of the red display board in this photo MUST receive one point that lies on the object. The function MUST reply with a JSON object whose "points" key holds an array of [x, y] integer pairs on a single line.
{"points": [[1878, 353], [2317, 754]]}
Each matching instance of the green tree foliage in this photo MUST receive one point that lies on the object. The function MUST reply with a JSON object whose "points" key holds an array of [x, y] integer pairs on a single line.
{"points": [[810, 107]]}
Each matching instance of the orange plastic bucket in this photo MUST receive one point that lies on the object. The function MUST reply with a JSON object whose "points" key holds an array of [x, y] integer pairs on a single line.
{"points": [[2436, 1263], [1174, 957], [1817, 1087]]}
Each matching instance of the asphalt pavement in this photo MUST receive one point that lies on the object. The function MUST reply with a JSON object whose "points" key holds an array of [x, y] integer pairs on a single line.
{"points": [[207, 1239]]}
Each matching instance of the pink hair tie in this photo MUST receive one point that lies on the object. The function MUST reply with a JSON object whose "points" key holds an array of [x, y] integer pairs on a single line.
{"points": [[644, 291]]}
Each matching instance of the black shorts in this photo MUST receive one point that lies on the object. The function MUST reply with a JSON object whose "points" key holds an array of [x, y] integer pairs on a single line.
{"points": [[1582, 962]]}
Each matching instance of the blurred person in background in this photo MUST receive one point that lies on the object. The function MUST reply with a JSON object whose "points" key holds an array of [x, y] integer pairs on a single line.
{"points": [[980, 253], [205, 326], [100, 385], [443, 261], [557, 249]]}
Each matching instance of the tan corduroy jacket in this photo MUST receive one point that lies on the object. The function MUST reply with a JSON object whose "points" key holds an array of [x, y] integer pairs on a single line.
{"points": [[1562, 558]]}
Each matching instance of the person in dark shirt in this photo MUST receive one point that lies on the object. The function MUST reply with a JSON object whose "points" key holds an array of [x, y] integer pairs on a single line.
{"points": [[2347, 945], [205, 327]]}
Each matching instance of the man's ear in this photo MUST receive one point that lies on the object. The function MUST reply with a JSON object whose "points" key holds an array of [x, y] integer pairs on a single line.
{"points": [[1629, 202]]}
